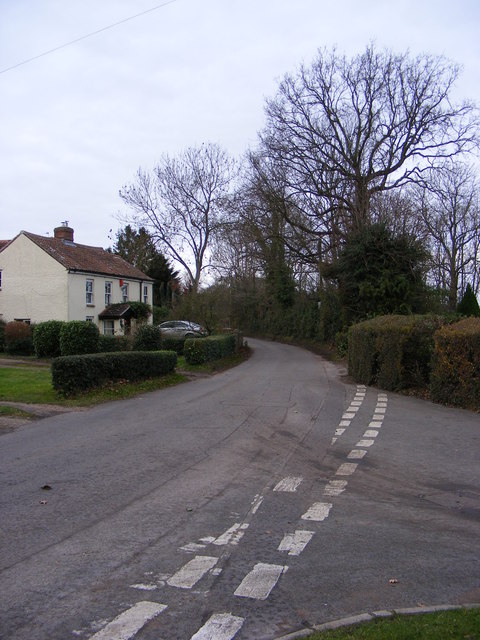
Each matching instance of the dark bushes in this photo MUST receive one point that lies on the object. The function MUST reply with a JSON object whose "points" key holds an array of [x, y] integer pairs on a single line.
{"points": [[456, 364], [200, 350], [393, 351], [78, 337], [147, 338], [18, 338], [71, 374], [46, 339]]}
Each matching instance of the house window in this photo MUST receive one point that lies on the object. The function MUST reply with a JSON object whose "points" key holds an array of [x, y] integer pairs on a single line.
{"points": [[108, 327], [125, 293], [0, 279], [145, 293], [108, 293], [89, 291], [89, 318]]}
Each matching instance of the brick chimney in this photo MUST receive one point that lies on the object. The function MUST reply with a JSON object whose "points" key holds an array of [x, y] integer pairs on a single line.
{"points": [[64, 232]]}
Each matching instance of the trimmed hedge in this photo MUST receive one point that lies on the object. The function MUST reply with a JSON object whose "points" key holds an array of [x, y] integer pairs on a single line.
{"points": [[174, 344], [456, 364], [78, 337], [46, 339], [147, 338], [109, 344], [201, 350], [73, 374], [393, 351], [18, 338]]}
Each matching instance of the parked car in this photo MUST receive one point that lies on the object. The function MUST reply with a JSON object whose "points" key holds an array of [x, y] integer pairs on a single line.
{"points": [[182, 329]]}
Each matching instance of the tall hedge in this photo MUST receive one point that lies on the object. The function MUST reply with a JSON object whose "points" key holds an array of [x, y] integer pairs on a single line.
{"points": [[456, 364], [78, 337], [46, 339], [393, 352]]}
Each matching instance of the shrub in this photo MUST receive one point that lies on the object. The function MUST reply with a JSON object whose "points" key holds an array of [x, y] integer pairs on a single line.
{"points": [[393, 351], [72, 374], [46, 339], [109, 344], [456, 364], [174, 344], [201, 350], [468, 305], [78, 337], [2, 334], [18, 338], [147, 338]]}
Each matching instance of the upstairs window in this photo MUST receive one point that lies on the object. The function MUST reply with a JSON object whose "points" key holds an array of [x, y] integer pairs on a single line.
{"points": [[125, 293], [145, 293], [89, 291], [108, 294]]}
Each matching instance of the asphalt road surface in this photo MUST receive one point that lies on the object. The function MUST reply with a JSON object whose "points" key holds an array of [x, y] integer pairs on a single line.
{"points": [[248, 505]]}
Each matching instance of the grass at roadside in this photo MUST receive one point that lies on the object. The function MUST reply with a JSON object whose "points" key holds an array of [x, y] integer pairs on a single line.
{"points": [[33, 385], [461, 624], [13, 412]]}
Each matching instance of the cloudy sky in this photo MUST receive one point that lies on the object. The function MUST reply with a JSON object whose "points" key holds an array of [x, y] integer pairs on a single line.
{"points": [[76, 124]]}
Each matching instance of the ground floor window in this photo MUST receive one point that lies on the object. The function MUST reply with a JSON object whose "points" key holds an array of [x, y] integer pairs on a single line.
{"points": [[108, 327], [89, 318]]}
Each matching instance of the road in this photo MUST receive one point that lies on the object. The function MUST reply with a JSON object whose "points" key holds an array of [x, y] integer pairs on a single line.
{"points": [[251, 504]]}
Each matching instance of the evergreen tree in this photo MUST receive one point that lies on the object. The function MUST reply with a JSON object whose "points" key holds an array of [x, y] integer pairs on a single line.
{"points": [[468, 305]]}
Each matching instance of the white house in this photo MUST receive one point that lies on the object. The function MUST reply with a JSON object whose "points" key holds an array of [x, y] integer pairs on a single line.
{"points": [[43, 278]]}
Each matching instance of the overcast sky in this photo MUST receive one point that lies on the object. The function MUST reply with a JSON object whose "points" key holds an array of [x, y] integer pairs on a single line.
{"points": [[76, 124]]}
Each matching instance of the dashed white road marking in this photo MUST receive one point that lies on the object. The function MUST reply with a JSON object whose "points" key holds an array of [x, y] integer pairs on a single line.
{"points": [[365, 443], [128, 623], [232, 535], [257, 501], [221, 626], [193, 547], [339, 432], [335, 488], [378, 416], [348, 416], [144, 587], [295, 542], [376, 424], [370, 433], [379, 409], [353, 409], [260, 581], [356, 454], [346, 469], [344, 423], [192, 572], [318, 511], [290, 483]]}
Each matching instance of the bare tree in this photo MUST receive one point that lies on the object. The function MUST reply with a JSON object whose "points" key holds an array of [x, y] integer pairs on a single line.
{"points": [[450, 210], [182, 203], [344, 131]]}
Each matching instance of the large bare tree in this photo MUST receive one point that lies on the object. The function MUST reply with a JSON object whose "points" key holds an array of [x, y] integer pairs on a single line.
{"points": [[182, 204], [450, 211], [344, 130]]}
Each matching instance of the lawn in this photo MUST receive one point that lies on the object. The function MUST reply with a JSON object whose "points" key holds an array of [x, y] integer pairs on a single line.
{"points": [[461, 624], [21, 384]]}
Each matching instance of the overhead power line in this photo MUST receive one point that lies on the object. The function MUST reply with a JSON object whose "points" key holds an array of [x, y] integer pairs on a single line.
{"points": [[88, 35]]}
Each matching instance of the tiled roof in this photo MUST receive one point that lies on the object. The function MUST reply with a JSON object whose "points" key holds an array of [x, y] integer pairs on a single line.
{"points": [[3, 243], [81, 257], [116, 311]]}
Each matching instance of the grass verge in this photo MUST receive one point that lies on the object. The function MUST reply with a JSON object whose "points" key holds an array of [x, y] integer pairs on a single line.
{"points": [[13, 412], [460, 624]]}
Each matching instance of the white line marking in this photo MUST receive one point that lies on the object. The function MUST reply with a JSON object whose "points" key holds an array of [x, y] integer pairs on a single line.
{"points": [[290, 483], [344, 423], [295, 542], [382, 404], [356, 454], [192, 547], [353, 409], [378, 416], [346, 469], [260, 581], [379, 409], [128, 623], [192, 572], [257, 501], [356, 403], [333, 440], [376, 424], [339, 432], [318, 511], [365, 443], [221, 626], [348, 416], [335, 488], [144, 587], [232, 535], [370, 433]]}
